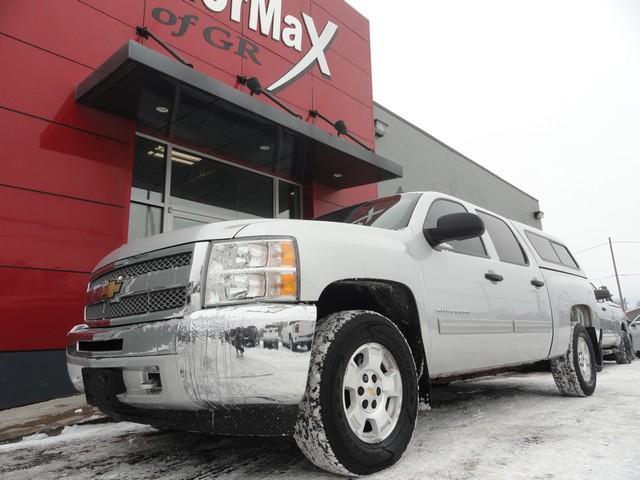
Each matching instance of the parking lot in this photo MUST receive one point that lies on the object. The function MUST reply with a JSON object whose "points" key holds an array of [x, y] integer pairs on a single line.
{"points": [[515, 426]]}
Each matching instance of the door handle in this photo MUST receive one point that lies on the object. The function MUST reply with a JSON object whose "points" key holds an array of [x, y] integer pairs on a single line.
{"points": [[604, 309], [537, 283], [494, 277]]}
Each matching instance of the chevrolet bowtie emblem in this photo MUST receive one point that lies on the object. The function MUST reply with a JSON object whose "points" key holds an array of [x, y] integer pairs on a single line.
{"points": [[111, 289]]}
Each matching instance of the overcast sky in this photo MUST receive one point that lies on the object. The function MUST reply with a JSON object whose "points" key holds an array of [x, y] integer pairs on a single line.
{"points": [[545, 93]]}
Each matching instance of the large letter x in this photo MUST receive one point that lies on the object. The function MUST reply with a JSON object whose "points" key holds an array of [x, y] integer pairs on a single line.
{"points": [[319, 45]]}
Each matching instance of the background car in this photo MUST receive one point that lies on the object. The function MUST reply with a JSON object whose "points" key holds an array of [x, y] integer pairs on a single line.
{"points": [[270, 337], [634, 332], [616, 344]]}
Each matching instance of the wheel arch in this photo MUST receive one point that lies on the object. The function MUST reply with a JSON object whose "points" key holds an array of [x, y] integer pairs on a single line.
{"points": [[395, 301], [583, 314]]}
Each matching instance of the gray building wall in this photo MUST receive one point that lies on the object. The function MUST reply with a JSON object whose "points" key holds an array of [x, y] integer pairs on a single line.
{"points": [[429, 164]]}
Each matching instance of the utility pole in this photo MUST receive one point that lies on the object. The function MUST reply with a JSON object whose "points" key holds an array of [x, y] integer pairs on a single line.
{"points": [[615, 269]]}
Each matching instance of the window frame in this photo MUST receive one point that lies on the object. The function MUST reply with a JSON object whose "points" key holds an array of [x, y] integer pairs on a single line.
{"points": [[437, 247], [515, 237], [168, 206]]}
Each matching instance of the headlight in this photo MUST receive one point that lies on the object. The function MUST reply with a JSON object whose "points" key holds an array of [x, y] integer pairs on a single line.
{"points": [[252, 269]]}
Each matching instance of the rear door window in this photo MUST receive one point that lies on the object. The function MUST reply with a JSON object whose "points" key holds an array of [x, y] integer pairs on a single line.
{"points": [[508, 248]]}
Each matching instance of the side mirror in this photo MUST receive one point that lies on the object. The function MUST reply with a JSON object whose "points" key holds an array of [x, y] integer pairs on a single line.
{"points": [[602, 293], [455, 226]]}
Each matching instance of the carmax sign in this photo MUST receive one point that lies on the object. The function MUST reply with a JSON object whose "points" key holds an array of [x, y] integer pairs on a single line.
{"points": [[265, 16]]}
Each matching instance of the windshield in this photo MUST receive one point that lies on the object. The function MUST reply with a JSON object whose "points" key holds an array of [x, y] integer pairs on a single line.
{"points": [[392, 213]]}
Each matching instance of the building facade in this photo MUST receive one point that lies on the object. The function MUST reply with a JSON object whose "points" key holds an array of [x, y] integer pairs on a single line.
{"points": [[128, 118]]}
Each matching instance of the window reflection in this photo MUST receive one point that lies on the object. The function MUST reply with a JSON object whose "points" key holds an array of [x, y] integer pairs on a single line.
{"points": [[149, 169], [144, 220], [288, 200], [201, 190], [205, 181]]}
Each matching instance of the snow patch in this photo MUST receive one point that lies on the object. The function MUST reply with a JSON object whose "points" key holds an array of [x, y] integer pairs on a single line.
{"points": [[74, 433]]}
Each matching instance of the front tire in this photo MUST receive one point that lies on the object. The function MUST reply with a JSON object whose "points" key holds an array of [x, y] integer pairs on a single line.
{"points": [[359, 410], [575, 372]]}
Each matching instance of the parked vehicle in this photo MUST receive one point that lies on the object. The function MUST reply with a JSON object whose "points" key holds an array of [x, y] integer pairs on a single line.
{"points": [[250, 336], [634, 332], [615, 342], [270, 337], [397, 291], [298, 333]]}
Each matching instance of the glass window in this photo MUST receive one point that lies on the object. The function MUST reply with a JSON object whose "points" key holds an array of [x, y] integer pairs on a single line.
{"points": [[507, 246], [543, 247], [392, 212], [202, 191], [288, 200], [144, 220], [440, 208], [205, 181], [565, 256], [149, 169]]}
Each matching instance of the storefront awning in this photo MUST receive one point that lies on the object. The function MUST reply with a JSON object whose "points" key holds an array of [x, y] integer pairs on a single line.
{"points": [[171, 100]]}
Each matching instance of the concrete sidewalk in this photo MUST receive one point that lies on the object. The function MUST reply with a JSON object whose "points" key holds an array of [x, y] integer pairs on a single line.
{"points": [[48, 417]]}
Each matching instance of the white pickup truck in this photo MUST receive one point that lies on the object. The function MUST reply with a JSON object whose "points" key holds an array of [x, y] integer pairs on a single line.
{"points": [[298, 333], [402, 290]]}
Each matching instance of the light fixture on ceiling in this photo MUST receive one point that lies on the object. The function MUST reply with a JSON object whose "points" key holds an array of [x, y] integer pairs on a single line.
{"points": [[337, 175], [157, 152], [264, 148], [162, 109], [186, 162], [181, 157]]}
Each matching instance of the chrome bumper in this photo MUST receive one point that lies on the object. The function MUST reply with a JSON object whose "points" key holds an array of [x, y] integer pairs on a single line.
{"points": [[198, 363]]}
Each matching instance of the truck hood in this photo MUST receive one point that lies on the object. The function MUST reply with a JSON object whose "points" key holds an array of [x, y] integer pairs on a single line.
{"points": [[245, 228], [201, 233]]}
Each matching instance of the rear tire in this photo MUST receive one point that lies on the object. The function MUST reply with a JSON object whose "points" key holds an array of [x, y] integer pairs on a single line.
{"points": [[332, 430], [624, 354], [575, 372]]}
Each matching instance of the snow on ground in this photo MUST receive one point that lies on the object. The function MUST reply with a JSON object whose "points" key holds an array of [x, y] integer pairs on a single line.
{"points": [[509, 427]]}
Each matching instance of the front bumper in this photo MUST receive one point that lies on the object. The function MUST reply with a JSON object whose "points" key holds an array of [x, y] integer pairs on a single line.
{"points": [[190, 363]]}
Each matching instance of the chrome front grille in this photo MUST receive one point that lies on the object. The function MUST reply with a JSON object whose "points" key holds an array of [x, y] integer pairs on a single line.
{"points": [[167, 299], [142, 268], [152, 288], [140, 304]]}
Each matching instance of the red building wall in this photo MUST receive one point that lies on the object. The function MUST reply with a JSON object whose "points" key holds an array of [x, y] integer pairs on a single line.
{"points": [[65, 173]]}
